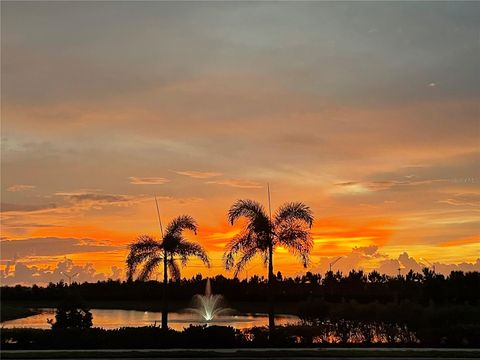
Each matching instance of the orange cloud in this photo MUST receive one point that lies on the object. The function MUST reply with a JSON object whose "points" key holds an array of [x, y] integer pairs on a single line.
{"points": [[19, 187], [215, 238], [373, 232], [199, 174], [244, 184], [460, 242], [147, 180]]}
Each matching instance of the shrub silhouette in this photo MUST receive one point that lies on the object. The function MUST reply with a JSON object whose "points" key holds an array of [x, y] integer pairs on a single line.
{"points": [[72, 314]]}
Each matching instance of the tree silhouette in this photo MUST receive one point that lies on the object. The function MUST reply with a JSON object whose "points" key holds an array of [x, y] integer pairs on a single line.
{"points": [[151, 253], [289, 228], [72, 313]]}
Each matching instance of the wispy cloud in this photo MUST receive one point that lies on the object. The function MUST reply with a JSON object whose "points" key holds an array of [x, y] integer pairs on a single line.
{"points": [[237, 183], [350, 187], [95, 197], [466, 199], [20, 187], [9, 207], [147, 180], [459, 242], [368, 186], [199, 174], [51, 246]]}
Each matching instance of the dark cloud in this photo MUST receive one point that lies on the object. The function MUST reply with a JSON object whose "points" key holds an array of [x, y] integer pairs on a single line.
{"points": [[8, 207], [95, 197], [51, 246], [346, 183], [22, 225]]}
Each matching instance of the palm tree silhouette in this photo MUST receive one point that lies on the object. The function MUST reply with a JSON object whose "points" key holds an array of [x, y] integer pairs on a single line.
{"points": [[289, 228], [151, 253]]}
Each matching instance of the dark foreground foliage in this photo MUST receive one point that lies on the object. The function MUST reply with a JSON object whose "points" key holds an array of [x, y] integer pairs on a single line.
{"points": [[405, 323], [135, 338], [323, 324], [72, 313]]}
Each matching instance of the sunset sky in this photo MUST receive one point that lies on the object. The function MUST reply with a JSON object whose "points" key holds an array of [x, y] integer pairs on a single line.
{"points": [[367, 112]]}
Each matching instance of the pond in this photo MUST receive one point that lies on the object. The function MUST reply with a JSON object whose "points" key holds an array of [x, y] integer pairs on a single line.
{"points": [[114, 318]]}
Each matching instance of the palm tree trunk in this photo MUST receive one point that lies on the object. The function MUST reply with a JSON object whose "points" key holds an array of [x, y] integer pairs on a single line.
{"points": [[164, 298], [271, 313]]}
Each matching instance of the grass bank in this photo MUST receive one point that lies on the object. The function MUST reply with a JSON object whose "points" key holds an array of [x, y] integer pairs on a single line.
{"points": [[247, 353], [15, 311]]}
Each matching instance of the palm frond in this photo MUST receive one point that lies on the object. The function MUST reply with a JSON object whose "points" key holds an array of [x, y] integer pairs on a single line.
{"points": [[295, 236], [292, 228], [291, 232], [148, 268], [302, 251], [185, 249], [144, 243], [255, 237], [173, 268], [142, 249], [181, 223], [242, 241], [244, 259], [294, 211], [250, 209]]}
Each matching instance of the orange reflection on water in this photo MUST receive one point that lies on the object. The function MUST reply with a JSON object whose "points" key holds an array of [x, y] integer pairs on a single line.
{"points": [[114, 318]]}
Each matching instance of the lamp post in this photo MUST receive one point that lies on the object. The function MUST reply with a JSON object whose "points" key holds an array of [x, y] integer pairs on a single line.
{"points": [[70, 277], [334, 262]]}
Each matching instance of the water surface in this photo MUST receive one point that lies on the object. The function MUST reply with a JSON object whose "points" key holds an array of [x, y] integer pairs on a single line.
{"points": [[114, 318]]}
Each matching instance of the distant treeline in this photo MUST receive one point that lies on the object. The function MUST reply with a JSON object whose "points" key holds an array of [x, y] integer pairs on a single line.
{"points": [[420, 288]]}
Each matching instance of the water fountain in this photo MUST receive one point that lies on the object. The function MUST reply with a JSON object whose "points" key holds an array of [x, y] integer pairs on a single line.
{"points": [[209, 306]]}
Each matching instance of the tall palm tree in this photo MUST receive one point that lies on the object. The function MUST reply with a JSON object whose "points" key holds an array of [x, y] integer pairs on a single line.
{"points": [[152, 253], [289, 228]]}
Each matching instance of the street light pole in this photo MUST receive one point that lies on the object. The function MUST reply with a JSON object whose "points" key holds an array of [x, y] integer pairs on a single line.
{"points": [[70, 277], [334, 262]]}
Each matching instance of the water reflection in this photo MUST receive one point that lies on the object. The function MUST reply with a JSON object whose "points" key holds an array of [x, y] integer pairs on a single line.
{"points": [[112, 319]]}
